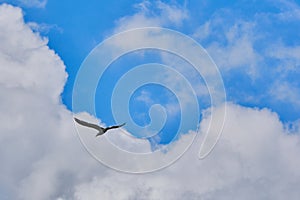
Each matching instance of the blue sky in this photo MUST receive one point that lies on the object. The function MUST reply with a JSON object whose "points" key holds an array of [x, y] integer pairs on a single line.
{"points": [[74, 29], [256, 47]]}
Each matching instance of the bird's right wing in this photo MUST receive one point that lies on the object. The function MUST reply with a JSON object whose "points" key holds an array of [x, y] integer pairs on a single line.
{"points": [[117, 126], [83, 123]]}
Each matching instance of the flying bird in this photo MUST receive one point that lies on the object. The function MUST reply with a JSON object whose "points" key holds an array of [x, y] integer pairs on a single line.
{"points": [[101, 130]]}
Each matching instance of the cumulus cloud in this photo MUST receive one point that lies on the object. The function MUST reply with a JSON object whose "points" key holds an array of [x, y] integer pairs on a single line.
{"points": [[256, 158], [21, 53], [40, 154]]}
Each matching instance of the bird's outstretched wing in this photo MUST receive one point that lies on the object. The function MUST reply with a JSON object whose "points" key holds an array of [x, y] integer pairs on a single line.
{"points": [[116, 126], [83, 123]]}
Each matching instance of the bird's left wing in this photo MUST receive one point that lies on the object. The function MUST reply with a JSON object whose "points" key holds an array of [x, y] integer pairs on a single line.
{"points": [[83, 123]]}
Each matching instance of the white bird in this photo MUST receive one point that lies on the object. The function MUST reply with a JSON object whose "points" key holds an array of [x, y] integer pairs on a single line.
{"points": [[101, 130]]}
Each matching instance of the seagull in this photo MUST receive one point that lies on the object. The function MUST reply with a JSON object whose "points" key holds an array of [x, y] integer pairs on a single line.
{"points": [[101, 130]]}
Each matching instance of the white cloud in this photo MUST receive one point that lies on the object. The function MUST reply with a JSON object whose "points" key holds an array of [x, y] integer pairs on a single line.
{"points": [[258, 50], [145, 97], [172, 13], [40, 153], [21, 63], [256, 158], [153, 14], [281, 51], [33, 3], [283, 91], [236, 41], [288, 55], [44, 28], [237, 50], [290, 10]]}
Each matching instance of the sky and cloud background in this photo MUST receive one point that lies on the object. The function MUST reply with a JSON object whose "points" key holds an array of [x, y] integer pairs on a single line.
{"points": [[256, 46]]}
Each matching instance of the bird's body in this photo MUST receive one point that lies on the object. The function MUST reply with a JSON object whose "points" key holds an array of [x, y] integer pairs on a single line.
{"points": [[101, 130]]}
